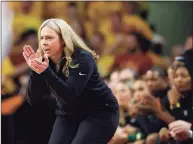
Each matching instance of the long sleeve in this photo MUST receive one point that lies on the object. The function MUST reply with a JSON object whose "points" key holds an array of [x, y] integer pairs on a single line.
{"points": [[37, 88], [75, 84]]}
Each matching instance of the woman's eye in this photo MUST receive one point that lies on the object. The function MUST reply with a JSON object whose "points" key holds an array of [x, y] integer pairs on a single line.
{"points": [[49, 37]]}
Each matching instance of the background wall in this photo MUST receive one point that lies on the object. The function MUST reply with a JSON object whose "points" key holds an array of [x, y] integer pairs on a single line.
{"points": [[173, 20]]}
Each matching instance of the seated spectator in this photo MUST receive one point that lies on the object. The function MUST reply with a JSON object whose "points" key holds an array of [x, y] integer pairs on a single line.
{"points": [[28, 37], [127, 130], [133, 22], [112, 28], [157, 82], [147, 105], [180, 95], [135, 58], [25, 20], [128, 76], [105, 61]]}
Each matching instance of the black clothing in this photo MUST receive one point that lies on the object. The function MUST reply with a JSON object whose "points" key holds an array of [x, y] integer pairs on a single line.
{"points": [[98, 128], [82, 95], [184, 111], [78, 94]]}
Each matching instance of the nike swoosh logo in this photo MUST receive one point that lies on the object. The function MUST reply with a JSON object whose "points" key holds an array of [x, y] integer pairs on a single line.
{"points": [[81, 73]]}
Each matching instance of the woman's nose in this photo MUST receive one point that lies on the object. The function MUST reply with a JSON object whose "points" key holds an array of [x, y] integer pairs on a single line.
{"points": [[44, 42], [179, 80]]}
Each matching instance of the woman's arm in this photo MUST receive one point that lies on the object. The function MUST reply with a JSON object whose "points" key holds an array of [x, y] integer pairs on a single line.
{"points": [[165, 116], [37, 88], [76, 82]]}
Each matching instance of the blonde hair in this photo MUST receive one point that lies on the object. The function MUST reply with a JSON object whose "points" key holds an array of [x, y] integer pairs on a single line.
{"points": [[69, 36]]}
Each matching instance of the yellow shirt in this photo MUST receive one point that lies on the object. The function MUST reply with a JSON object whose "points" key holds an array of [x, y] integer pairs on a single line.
{"points": [[23, 22], [8, 69], [37, 8], [104, 64], [110, 37], [102, 10], [137, 24]]}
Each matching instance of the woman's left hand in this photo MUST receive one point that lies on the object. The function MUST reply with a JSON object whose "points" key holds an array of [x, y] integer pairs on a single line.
{"points": [[40, 66]]}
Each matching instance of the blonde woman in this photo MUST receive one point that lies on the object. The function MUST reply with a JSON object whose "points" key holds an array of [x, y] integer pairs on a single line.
{"points": [[87, 111]]}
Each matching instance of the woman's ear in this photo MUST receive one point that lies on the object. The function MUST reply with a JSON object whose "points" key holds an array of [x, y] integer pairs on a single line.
{"points": [[63, 43]]}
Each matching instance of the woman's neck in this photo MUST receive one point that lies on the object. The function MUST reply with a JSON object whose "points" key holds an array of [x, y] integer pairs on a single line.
{"points": [[56, 58]]}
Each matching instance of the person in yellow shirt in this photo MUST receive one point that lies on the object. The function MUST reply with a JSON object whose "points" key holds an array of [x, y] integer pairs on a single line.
{"points": [[105, 61], [102, 9], [135, 23], [113, 31], [98, 14], [7, 71], [34, 8], [25, 18]]}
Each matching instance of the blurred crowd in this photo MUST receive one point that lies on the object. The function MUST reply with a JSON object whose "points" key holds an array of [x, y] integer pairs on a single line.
{"points": [[152, 90]]}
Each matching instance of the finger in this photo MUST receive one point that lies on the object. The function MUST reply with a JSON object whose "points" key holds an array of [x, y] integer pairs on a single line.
{"points": [[174, 124], [172, 133], [177, 130], [25, 57], [30, 49], [39, 63], [26, 51], [46, 60], [38, 53], [35, 68]]}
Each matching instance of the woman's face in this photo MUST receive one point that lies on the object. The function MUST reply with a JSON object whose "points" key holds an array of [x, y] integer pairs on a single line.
{"points": [[140, 90], [123, 94], [182, 79], [154, 81], [50, 42]]}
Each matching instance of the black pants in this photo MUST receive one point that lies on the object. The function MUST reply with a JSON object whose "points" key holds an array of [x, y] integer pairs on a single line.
{"points": [[97, 128]]}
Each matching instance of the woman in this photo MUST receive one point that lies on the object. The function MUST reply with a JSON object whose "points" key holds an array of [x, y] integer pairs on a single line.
{"points": [[87, 111], [180, 100], [180, 95]]}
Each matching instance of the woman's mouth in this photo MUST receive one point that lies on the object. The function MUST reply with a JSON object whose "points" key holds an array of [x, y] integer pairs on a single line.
{"points": [[46, 50]]}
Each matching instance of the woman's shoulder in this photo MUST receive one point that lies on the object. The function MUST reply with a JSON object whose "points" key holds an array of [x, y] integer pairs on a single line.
{"points": [[80, 53]]}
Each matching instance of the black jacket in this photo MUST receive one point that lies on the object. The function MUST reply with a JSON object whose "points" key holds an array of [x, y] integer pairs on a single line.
{"points": [[82, 92], [188, 60]]}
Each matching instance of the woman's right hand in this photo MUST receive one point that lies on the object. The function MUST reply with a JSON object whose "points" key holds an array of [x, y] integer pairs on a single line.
{"points": [[173, 95], [30, 55]]}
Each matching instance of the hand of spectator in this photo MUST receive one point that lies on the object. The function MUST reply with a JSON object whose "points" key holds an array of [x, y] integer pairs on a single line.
{"points": [[173, 95], [180, 129], [129, 129], [164, 135], [149, 105]]}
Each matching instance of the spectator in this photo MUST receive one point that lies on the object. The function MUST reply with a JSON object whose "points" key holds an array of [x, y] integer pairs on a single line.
{"points": [[135, 58]]}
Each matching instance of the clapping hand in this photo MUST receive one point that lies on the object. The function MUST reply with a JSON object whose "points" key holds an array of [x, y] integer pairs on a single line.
{"points": [[179, 129], [34, 60]]}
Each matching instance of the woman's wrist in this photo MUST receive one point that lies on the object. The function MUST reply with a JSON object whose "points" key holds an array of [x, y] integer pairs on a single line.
{"points": [[176, 105]]}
